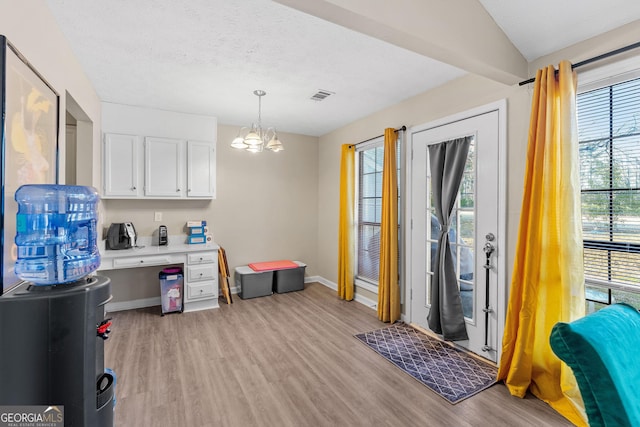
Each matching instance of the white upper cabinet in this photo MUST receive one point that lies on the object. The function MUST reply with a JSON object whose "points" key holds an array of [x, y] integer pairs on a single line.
{"points": [[201, 169], [163, 167], [169, 168], [157, 154], [121, 165]]}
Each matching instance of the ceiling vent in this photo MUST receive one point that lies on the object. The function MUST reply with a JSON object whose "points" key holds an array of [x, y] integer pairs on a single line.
{"points": [[321, 95]]}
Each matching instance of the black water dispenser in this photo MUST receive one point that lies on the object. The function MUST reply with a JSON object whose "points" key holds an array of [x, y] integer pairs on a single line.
{"points": [[52, 325], [52, 349]]}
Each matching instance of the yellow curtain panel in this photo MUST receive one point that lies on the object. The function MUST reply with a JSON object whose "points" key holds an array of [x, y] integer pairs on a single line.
{"points": [[346, 237], [547, 285], [388, 288]]}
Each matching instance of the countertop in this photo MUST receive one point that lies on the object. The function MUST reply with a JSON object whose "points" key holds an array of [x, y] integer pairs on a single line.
{"points": [[146, 248]]}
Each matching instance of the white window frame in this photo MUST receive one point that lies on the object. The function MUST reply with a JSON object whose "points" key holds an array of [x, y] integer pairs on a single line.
{"points": [[593, 79], [367, 145]]}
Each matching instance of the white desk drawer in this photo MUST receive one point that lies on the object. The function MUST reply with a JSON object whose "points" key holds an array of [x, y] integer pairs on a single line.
{"points": [[201, 272], [202, 258], [201, 290], [142, 261]]}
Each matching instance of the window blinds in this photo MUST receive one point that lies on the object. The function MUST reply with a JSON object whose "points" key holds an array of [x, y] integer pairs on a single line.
{"points": [[609, 141]]}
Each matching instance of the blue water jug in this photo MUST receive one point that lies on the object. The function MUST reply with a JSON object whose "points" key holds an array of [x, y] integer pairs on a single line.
{"points": [[56, 235]]}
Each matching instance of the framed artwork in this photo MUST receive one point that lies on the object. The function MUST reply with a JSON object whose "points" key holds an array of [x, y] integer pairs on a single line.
{"points": [[29, 128]]}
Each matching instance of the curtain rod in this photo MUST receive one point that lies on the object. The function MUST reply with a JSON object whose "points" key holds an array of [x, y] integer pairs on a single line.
{"points": [[594, 59], [403, 128]]}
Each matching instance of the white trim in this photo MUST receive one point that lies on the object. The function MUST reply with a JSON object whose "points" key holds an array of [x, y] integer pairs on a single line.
{"points": [[322, 281], [372, 143], [133, 304], [501, 107], [366, 301], [358, 298], [155, 301], [501, 253], [609, 74], [366, 286]]}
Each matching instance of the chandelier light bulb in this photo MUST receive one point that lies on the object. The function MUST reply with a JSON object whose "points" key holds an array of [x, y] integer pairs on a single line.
{"points": [[255, 139]]}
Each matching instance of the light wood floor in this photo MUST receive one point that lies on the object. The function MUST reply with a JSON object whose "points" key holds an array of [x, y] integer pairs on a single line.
{"points": [[283, 360]]}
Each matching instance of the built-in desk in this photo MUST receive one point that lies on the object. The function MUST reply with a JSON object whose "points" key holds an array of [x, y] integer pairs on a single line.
{"points": [[200, 267]]}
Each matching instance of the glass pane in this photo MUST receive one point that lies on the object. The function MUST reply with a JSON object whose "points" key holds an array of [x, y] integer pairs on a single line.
{"points": [[626, 108], [594, 165], [378, 178], [624, 266], [467, 223], [632, 299], [368, 185], [467, 186], [369, 252], [626, 162], [368, 161], [596, 264], [378, 202], [368, 210], [595, 215], [593, 114], [626, 216], [379, 158]]}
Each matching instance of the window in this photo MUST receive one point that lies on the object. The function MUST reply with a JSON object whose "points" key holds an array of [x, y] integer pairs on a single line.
{"points": [[369, 209], [461, 234], [609, 141]]}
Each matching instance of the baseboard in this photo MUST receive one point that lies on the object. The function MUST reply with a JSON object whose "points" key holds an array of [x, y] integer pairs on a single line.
{"points": [[153, 301], [331, 285], [133, 304]]}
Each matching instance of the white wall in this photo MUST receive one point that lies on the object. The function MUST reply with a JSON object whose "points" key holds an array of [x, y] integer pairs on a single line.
{"points": [[31, 28], [118, 118], [266, 209], [453, 97]]}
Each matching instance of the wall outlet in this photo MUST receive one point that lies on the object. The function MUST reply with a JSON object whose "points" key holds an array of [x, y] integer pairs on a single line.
{"points": [[157, 216]]}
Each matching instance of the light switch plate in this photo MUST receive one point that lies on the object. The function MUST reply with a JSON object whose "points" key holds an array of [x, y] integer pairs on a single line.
{"points": [[157, 216]]}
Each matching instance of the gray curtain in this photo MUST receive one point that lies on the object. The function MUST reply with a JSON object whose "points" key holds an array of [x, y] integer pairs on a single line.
{"points": [[447, 160]]}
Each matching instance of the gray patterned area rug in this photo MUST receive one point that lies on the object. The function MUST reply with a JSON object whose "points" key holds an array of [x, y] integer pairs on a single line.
{"points": [[450, 372]]}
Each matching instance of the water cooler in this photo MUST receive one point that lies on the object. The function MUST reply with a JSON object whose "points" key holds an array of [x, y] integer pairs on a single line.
{"points": [[52, 325], [53, 352]]}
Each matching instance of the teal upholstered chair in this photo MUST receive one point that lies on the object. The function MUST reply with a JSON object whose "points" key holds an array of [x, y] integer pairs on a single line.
{"points": [[603, 350]]}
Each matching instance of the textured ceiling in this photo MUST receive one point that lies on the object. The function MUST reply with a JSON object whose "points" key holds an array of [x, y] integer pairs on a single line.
{"points": [[208, 56]]}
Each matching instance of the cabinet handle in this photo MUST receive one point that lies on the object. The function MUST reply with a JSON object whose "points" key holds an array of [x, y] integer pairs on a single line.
{"points": [[133, 188], [177, 190], [189, 190], [141, 261]]}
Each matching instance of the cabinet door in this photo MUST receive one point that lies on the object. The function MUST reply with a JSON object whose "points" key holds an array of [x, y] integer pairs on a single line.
{"points": [[201, 169], [120, 165], [163, 164]]}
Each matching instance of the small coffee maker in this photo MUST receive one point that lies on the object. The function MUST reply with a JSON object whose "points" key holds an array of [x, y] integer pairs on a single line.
{"points": [[163, 238]]}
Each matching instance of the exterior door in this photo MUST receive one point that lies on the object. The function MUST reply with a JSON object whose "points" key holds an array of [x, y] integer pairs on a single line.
{"points": [[475, 223]]}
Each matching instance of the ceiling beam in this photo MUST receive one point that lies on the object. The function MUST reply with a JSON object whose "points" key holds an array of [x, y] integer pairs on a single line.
{"points": [[457, 32]]}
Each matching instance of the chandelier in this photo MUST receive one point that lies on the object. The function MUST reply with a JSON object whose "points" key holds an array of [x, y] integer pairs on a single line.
{"points": [[255, 139]]}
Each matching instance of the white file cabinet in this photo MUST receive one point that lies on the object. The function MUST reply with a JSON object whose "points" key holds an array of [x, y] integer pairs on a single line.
{"points": [[201, 276]]}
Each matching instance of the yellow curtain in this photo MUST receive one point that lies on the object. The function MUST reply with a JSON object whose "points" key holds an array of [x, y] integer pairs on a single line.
{"points": [[547, 285], [346, 238], [388, 289]]}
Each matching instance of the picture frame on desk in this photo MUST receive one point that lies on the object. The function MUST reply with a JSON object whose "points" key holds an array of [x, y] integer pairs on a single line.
{"points": [[29, 127]]}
